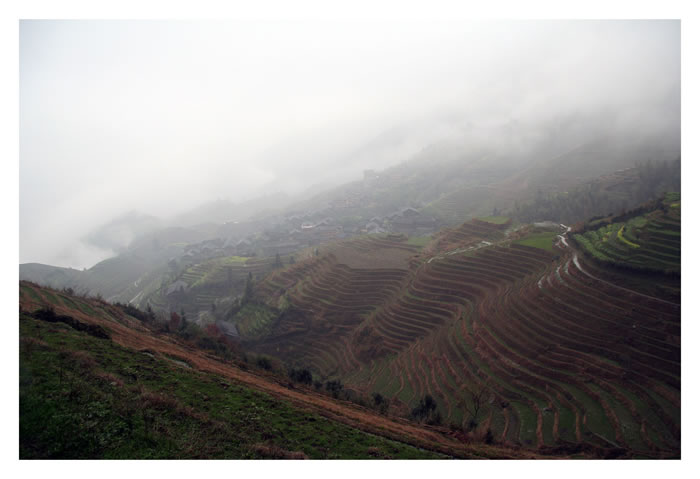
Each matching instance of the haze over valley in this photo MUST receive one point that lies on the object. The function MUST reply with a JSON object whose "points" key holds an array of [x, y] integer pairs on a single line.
{"points": [[387, 239]]}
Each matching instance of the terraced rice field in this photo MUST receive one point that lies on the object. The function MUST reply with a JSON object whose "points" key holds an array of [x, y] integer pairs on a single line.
{"points": [[469, 233], [648, 242], [330, 299], [216, 271], [560, 355], [211, 280]]}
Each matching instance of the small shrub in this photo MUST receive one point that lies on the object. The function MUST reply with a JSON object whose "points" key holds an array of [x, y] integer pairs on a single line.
{"points": [[488, 439], [334, 387], [427, 411], [264, 363], [303, 376]]}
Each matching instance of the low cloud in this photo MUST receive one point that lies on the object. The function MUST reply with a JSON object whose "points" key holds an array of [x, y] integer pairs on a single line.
{"points": [[161, 116]]}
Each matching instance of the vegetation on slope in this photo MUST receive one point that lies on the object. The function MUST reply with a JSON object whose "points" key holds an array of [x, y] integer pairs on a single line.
{"points": [[543, 240], [510, 339], [96, 382], [646, 239], [86, 397], [613, 192]]}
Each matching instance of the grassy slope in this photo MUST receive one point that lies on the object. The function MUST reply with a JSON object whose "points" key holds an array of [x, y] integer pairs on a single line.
{"points": [[84, 397], [81, 396]]}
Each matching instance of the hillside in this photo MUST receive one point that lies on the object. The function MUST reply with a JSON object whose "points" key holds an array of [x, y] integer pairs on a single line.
{"points": [[114, 277], [516, 335], [512, 331], [440, 189], [98, 383], [647, 240]]}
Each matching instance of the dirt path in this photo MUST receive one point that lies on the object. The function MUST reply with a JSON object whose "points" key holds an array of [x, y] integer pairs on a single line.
{"points": [[134, 335], [478, 246]]}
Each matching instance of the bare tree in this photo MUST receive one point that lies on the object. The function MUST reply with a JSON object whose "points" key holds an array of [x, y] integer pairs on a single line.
{"points": [[479, 396]]}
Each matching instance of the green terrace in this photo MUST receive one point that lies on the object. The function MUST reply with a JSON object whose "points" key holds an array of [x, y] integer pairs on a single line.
{"points": [[647, 242]]}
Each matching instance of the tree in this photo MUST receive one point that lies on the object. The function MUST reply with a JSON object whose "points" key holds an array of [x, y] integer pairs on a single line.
{"points": [[183, 319], [174, 324], [264, 363], [291, 259], [478, 398], [278, 261], [248, 294], [380, 402], [425, 409], [334, 387], [301, 376]]}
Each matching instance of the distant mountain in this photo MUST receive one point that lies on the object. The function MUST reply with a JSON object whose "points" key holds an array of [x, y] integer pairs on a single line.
{"points": [[448, 182], [52, 276], [114, 276]]}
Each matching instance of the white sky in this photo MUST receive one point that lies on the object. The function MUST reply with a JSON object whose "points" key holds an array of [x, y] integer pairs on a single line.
{"points": [[161, 116]]}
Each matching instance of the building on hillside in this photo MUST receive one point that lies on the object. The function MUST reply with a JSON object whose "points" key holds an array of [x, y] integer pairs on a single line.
{"points": [[373, 228], [411, 221], [245, 247]]}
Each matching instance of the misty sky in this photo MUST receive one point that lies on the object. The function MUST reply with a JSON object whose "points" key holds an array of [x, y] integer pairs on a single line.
{"points": [[161, 116]]}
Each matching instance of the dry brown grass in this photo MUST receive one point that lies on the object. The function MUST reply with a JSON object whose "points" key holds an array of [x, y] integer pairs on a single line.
{"points": [[270, 451], [110, 379], [162, 402], [82, 360]]}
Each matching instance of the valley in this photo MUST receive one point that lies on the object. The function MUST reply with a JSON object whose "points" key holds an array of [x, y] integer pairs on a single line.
{"points": [[523, 337]]}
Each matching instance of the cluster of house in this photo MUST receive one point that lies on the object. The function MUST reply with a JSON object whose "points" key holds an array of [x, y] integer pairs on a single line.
{"points": [[408, 221], [270, 242], [305, 233]]}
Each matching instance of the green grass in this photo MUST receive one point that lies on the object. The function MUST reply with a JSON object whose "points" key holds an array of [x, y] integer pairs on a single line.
{"points": [[621, 237], [672, 196], [31, 292], [232, 260], [497, 220], [83, 397], [418, 240], [542, 240], [207, 272], [596, 420], [254, 320]]}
